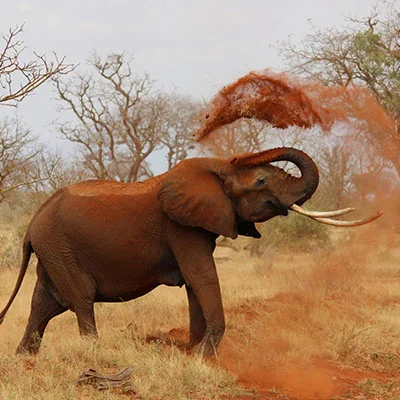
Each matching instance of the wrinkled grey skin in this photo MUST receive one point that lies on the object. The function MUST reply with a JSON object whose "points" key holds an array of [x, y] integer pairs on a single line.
{"points": [[109, 241]]}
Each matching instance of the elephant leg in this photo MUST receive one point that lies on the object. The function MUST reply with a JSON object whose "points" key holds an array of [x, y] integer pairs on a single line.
{"points": [[197, 320], [86, 320], [200, 274], [209, 297], [44, 307], [74, 286]]}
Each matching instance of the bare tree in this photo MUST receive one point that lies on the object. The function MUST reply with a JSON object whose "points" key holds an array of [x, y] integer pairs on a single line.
{"points": [[182, 121], [372, 174], [60, 171], [242, 136], [335, 165], [364, 54], [121, 119], [19, 78], [18, 150]]}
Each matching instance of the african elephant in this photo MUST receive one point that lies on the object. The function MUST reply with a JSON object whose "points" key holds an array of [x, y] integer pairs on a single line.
{"points": [[106, 241]]}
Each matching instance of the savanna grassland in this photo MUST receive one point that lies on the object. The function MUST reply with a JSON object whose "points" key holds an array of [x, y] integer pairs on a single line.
{"points": [[317, 324]]}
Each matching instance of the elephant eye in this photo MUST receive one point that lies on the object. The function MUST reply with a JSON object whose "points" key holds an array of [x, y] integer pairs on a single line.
{"points": [[261, 181]]}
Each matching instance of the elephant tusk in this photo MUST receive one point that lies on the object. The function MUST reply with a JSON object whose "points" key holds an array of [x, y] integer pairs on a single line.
{"points": [[359, 222], [321, 214]]}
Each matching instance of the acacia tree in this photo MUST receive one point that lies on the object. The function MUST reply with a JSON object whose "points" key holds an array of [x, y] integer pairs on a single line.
{"points": [[182, 119], [17, 149], [120, 119], [59, 170], [26, 163], [19, 78], [241, 136], [365, 54]]}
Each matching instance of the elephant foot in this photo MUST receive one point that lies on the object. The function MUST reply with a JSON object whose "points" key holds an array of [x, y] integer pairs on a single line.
{"points": [[30, 343], [25, 352], [205, 350], [31, 348], [208, 347]]}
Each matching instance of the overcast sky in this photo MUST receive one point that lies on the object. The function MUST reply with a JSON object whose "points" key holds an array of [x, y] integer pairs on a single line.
{"points": [[193, 46]]}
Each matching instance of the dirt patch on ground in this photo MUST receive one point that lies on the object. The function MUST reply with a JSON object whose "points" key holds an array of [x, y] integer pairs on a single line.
{"points": [[319, 380], [269, 363], [265, 364]]}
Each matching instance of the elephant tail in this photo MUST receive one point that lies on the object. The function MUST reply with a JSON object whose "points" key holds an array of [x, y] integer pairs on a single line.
{"points": [[26, 255]]}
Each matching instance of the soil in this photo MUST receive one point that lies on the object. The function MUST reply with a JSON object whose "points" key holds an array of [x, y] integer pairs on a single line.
{"points": [[263, 378]]}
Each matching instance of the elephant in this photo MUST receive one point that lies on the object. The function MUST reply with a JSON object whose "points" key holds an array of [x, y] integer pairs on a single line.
{"points": [[107, 241]]}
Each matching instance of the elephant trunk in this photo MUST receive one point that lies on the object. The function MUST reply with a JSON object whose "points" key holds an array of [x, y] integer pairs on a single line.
{"points": [[301, 189], [298, 190]]}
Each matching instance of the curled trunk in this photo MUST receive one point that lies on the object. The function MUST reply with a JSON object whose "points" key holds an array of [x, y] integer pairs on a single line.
{"points": [[296, 190]]}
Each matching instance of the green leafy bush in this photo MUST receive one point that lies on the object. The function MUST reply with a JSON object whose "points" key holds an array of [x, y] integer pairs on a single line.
{"points": [[294, 232]]}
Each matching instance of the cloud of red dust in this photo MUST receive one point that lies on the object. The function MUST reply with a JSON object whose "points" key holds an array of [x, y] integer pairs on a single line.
{"points": [[283, 101]]}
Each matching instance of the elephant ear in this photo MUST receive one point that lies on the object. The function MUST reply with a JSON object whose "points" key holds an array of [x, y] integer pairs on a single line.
{"points": [[194, 195]]}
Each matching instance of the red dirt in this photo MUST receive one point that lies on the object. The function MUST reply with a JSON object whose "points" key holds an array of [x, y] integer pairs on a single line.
{"points": [[249, 358], [256, 360], [255, 366], [320, 379], [264, 96]]}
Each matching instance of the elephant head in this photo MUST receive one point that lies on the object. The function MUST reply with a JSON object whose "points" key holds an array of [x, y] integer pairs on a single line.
{"points": [[227, 196]]}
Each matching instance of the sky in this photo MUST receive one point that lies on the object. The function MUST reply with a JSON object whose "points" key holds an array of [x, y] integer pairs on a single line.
{"points": [[195, 47]]}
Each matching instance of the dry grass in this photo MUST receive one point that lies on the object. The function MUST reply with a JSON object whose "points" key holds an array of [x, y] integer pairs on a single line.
{"points": [[159, 371], [299, 325]]}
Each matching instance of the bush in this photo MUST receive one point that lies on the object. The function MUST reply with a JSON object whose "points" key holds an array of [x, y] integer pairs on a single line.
{"points": [[294, 232]]}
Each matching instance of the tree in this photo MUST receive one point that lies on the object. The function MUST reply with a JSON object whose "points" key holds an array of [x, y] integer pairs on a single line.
{"points": [[59, 170], [335, 164], [19, 78], [241, 136], [182, 120], [18, 150], [365, 54], [120, 119]]}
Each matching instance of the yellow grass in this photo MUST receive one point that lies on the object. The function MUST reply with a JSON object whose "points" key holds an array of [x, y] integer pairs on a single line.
{"points": [[159, 371], [341, 305]]}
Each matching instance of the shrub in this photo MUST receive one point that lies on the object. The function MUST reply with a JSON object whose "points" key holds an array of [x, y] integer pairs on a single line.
{"points": [[294, 232]]}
